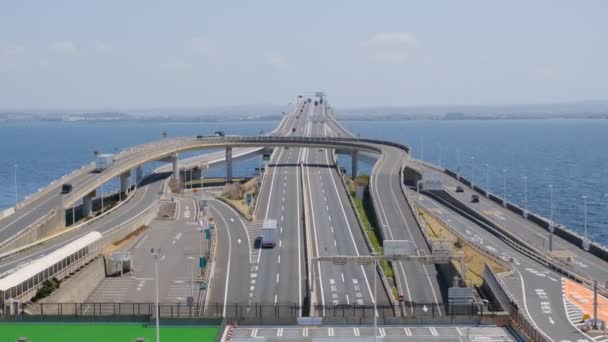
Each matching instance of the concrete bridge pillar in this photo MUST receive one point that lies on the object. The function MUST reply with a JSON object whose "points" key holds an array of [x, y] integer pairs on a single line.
{"points": [[175, 167], [124, 182], [87, 204], [354, 163], [139, 174], [228, 164]]}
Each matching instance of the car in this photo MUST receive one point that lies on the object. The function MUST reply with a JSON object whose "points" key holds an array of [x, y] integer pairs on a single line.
{"points": [[219, 133], [66, 188], [459, 188], [475, 199], [199, 137], [321, 150]]}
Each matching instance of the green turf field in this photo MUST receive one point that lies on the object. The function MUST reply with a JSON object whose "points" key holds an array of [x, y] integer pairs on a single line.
{"points": [[103, 333]]}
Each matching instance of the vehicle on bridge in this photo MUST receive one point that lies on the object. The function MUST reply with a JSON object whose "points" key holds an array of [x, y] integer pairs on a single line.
{"points": [[103, 161], [66, 188]]}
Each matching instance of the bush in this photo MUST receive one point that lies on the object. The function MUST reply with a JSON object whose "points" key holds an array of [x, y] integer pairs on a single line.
{"points": [[48, 286]]}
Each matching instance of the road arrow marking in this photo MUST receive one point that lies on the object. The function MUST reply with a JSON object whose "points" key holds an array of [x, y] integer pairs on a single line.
{"points": [[239, 241], [424, 308], [551, 321]]}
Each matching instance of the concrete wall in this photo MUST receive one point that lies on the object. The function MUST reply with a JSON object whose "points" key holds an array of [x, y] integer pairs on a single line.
{"points": [[78, 287]]}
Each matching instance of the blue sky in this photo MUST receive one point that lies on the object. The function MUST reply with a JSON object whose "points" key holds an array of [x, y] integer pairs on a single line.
{"points": [[134, 54]]}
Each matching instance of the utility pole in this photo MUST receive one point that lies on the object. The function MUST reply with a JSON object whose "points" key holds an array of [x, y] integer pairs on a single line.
{"points": [[552, 224], [156, 254], [16, 189]]}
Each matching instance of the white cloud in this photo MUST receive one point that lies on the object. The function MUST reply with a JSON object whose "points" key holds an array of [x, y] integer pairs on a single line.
{"points": [[203, 46], [390, 47], [277, 61], [63, 47]]}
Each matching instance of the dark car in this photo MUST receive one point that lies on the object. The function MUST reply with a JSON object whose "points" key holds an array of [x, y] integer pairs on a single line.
{"points": [[475, 199], [65, 188], [199, 137], [459, 188]]}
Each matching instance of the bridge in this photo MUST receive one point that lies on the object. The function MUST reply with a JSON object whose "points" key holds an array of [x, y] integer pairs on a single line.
{"points": [[307, 274]]}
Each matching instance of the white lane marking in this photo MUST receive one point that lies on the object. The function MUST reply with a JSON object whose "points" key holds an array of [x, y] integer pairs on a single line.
{"points": [[523, 291], [278, 274], [276, 298], [434, 332], [369, 289], [342, 274], [279, 259]]}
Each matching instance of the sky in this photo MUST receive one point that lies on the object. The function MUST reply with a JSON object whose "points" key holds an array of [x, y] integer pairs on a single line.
{"points": [[151, 54]]}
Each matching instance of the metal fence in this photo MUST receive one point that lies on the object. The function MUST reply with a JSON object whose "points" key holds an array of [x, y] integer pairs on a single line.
{"points": [[237, 311]]}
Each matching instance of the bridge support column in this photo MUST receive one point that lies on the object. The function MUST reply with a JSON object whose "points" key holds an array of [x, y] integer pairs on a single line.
{"points": [[124, 182], [354, 164], [139, 174], [87, 204], [228, 164], [175, 167]]}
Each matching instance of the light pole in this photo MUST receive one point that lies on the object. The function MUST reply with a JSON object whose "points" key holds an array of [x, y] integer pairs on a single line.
{"points": [[102, 198], [191, 276], [487, 180], [585, 213], [473, 167], [458, 164], [16, 190], [525, 196], [156, 254], [552, 224], [504, 188], [375, 296]]}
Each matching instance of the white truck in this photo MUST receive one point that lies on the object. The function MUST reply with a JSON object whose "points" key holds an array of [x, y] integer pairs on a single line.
{"points": [[103, 161], [269, 233]]}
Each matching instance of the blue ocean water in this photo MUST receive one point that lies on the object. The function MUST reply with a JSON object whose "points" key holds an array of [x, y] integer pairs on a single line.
{"points": [[569, 154]]}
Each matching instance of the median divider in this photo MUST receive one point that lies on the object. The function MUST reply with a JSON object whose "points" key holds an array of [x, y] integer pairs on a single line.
{"points": [[308, 245]]}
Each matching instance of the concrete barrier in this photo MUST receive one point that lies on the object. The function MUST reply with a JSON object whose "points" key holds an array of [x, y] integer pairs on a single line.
{"points": [[78, 287]]}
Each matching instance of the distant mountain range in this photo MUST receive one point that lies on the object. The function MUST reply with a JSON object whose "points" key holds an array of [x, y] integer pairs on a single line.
{"points": [[578, 109]]}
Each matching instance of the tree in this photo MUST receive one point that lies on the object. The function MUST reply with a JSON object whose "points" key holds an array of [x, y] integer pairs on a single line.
{"points": [[95, 152]]}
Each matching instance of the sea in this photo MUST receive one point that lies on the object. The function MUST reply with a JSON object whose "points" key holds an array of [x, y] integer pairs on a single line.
{"points": [[519, 158]]}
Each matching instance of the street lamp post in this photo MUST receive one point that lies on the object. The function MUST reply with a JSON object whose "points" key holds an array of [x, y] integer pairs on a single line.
{"points": [[552, 224], [16, 189], [191, 276], [156, 254], [585, 213], [504, 188], [375, 296], [102, 198], [458, 164], [525, 196], [487, 180], [473, 167]]}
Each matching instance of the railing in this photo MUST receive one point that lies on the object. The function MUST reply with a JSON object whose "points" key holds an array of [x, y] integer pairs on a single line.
{"points": [[240, 311], [33, 226], [503, 296]]}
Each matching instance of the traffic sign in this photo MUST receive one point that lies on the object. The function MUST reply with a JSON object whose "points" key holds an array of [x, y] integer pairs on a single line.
{"points": [[207, 234], [190, 301], [266, 157], [202, 262], [202, 286]]}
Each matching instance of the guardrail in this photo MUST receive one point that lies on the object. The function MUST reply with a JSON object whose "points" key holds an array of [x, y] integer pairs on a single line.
{"points": [[508, 303], [521, 246], [27, 230]]}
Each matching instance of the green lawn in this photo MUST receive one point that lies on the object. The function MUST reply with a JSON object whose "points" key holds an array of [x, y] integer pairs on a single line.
{"points": [[102, 332]]}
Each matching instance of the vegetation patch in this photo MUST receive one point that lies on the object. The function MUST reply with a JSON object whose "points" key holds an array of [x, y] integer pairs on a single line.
{"points": [[235, 194], [48, 286], [365, 210]]}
